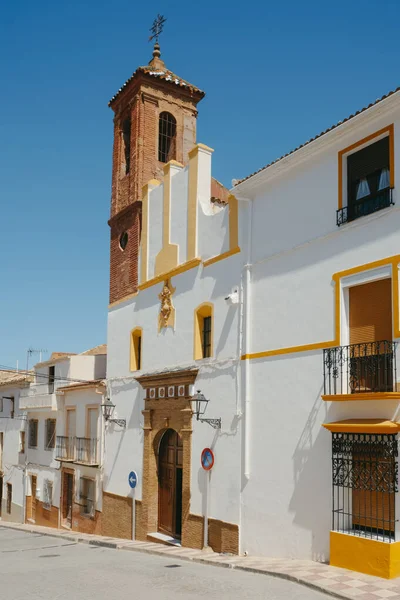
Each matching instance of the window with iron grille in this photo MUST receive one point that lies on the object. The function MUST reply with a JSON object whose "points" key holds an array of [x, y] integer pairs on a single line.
{"points": [[206, 337], [166, 137], [33, 433], [47, 494], [126, 136], [364, 483], [9, 498], [50, 440], [87, 496]]}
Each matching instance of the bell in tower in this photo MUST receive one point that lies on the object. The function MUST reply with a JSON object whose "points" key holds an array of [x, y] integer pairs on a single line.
{"points": [[155, 122]]}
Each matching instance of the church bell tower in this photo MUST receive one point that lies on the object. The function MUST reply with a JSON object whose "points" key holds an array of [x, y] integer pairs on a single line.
{"points": [[155, 122]]}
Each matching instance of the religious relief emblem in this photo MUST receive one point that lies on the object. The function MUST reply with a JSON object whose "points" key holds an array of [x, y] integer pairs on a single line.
{"points": [[167, 311]]}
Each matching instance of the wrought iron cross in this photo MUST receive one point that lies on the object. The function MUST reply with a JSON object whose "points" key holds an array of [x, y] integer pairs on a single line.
{"points": [[157, 27]]}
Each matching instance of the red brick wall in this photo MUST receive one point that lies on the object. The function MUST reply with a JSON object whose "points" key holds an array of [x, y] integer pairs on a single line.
{"points": [[143, 103]]}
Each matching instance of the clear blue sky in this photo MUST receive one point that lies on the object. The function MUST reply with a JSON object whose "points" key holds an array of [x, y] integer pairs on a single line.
{"points": [[275, 74]]}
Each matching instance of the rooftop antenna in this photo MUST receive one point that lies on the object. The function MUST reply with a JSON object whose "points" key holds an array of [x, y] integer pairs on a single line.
{"points": [[29, 353]]}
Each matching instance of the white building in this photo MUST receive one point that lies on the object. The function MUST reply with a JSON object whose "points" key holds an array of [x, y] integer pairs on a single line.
{"points": [[12, 446], [322, 316], [281, 304], [58, 451]]}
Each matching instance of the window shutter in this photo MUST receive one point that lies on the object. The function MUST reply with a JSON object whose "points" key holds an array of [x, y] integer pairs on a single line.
{"points": [[371, 312], [369, 159]]}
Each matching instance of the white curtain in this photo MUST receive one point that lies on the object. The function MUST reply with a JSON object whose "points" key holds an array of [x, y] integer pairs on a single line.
{"points": [[384, 179], [362, 189]]}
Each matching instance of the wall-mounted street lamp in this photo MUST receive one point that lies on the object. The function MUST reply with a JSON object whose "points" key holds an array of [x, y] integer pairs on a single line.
{"points": [[199, 404], [108, 411]]}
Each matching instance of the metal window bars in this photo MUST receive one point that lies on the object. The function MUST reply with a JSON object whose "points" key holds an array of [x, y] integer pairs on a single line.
{"points": [[365, 206], [166, 137], [360, 368], [86, 450], [364, 483]]}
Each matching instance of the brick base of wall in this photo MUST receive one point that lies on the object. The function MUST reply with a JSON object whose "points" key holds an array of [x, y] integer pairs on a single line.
{"points": [[222, 536], [44, 517], [85, 524], [116, 517]]}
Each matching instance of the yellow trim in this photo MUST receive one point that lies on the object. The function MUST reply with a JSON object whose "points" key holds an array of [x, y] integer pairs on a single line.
{"points": [[194, 151], [393, 261], [134, 348], [144, 242], [167, 258], [361, 396], [390, 131], [214, 259], [364, 555], [363, 426], [204, 310], [124, 299], [190, 264]]}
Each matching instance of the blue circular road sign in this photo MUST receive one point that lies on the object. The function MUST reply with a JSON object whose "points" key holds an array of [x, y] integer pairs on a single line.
{"points": [[133, 479]]}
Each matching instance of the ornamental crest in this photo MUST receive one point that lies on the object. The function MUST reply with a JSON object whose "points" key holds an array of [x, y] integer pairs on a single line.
{"points": [[167, 310]]}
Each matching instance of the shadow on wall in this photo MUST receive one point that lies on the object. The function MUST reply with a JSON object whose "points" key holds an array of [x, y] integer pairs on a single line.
{"points": [[132, 421], [311, 499]]}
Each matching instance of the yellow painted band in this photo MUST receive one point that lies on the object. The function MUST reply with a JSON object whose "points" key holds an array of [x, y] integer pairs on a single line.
{"points": [[391, 260], [364, 555], [214, 259], [363, 426], [361, 396], [124, 299], [163, 276]]}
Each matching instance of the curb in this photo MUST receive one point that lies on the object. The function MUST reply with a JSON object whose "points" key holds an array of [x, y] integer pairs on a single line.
{"points": [[205, 561]]}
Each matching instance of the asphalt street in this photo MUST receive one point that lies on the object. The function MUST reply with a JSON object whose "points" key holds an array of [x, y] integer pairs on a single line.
{"points": [[33, 566]]}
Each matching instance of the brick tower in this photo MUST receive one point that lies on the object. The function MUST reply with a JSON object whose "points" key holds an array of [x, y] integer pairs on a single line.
{"points": [[155, 122]]}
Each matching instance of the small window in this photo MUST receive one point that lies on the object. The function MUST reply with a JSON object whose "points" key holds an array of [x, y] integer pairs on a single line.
{"points": [[33, 433], [123, 240], [47, 494], [50, 438], [203, 335], [9, 498], [1, 404], [166, 137], [368, 181], [136, 349], [126, 136], [87, 497], [51, 379], [22, 442]]}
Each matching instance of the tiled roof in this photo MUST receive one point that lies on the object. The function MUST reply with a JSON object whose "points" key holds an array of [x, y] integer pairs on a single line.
{"points": [[56, 355], [321, 134], [8, 377], [102, 349], [160, 73], [82, 385]]}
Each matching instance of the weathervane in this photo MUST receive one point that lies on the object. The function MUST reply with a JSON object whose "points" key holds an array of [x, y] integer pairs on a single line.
{"points": [[157, 27]]}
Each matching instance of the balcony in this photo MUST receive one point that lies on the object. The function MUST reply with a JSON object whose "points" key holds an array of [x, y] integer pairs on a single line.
{"points": [[86, 451], [364, 371], [65, 448], [365, 206], [78, 450], [39, 395]]}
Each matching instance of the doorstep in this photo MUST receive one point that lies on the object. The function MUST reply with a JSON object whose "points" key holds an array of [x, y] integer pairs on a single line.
{"points": [[162, 538]]}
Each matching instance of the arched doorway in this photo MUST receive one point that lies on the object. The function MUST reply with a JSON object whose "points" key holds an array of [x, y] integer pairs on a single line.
{"points": [[170, 463]]}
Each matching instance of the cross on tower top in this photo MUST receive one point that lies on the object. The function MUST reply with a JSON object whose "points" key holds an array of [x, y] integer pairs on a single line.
{"points": [[157, 27]]}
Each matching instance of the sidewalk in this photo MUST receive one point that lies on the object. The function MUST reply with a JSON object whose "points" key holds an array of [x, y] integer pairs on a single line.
{"points": [[339, 583]]}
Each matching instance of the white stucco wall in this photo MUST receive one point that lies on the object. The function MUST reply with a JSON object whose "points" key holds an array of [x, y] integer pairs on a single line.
{"points": [[296, 247]]}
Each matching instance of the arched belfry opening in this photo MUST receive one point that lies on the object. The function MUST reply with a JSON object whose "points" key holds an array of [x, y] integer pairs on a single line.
{"points": [[170, 477]]}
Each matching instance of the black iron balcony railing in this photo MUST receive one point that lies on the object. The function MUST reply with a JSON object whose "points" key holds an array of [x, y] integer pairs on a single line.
{"points": [[365, 206], [86, 451], [65, 448], [360, 368]]}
